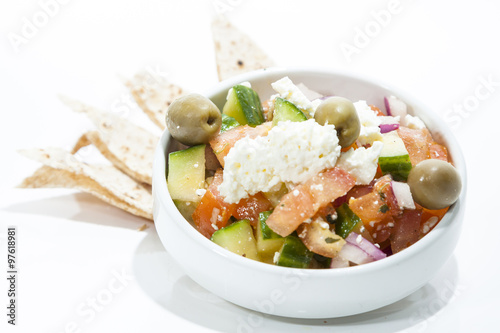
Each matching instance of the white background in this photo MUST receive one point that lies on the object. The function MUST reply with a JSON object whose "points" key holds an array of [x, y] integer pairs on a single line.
{"points": [[84, 266]]}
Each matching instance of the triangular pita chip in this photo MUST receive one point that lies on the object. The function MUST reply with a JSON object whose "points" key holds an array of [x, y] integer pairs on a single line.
{"points": [[62, 169], [82, 141], [153, 94], [128, 146], [235, 52]]}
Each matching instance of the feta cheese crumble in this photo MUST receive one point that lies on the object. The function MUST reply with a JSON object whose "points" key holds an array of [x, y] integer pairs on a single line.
{"points": [[276, 257], [265, 162], [413, 122], [370, 122], [361, 163], [200, 192], [288, 90], [389, 119]]}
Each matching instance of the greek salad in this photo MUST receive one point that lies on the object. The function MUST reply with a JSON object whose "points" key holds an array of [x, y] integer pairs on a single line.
{"points": [[303, 180]]}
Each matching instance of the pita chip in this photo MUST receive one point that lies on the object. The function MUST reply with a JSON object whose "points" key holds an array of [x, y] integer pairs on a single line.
{"points": [[235, 52], [153, 94], [128, 146], [106, 182], [83, 141]]}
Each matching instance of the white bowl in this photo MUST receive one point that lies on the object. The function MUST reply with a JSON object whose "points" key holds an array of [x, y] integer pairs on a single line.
{"points": [[309, 293]]}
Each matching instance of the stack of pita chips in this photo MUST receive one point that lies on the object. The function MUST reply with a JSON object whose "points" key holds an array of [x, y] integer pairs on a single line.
{"points": [[126, 181]]}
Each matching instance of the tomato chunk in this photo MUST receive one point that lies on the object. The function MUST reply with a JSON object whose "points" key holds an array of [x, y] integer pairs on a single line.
{"points": [[306, 199], [421, 146], [250, 208], [438, 151], [376, 209], [223, 142], [212, 213], [377, 110], [328, 186], [416, 142], [294, 208], [406, 230]]}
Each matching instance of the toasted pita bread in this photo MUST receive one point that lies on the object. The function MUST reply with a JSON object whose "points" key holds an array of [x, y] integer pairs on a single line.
{"points": [[83, 141], [153, 94], [128, 146], [62, 169], [235, 52]]}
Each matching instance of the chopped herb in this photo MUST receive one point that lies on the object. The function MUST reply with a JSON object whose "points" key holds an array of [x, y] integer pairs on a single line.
{"points": [[384, 209], [330, 240]]}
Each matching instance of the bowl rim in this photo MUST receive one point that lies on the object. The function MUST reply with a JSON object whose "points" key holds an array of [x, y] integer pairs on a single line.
{"points": [[159, 180]]}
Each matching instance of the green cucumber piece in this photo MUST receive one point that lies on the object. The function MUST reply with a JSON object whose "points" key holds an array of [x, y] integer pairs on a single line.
{"points": [[228, 122], [286, 110], [243, 104], [238, 238], [186, 173], [320, 261], [268, 242], [394, 158], [294, 253], [186, 208], [346, 221]]}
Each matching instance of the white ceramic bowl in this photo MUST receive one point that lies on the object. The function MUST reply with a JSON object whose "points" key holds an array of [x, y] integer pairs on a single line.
{"points": [[308, 293]]}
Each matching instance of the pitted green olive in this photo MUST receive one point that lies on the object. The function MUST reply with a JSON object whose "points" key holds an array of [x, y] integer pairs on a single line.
{"points": [[193, 119], [434, 184], [340, 112]]}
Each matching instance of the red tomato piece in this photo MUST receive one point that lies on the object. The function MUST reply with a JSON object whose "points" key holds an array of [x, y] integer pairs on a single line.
{"points": [[416, 142], [294, 208], [406, 229], [223, 142], [377, 110], [329, 185], [211, 215], [377, 209], [250, 208], [438, 151], [304, 201], [212, 212]]}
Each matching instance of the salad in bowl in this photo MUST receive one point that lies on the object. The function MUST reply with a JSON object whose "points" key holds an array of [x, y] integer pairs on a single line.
{"points": [[313, 184], [304, 180]]}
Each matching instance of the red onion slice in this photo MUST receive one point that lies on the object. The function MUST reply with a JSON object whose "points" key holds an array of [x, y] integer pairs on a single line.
{"points": [[365, 245], [395, 107], [384, 128], [403, 195], [387, 107], [339, 262], [354, 254]]}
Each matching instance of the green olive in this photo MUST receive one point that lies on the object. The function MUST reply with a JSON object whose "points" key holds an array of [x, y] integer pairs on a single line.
{"points": [[340, 112], [434, 184], [193, 119]]}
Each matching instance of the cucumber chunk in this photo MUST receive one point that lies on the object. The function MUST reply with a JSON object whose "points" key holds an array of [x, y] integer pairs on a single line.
{"points": [[268, 242], [294, 253], [238, 238], [186, 173], [394, 158], [346, 221], [243, 104], [320, 261], [286, 110], [228, 122], [186, 208]]}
